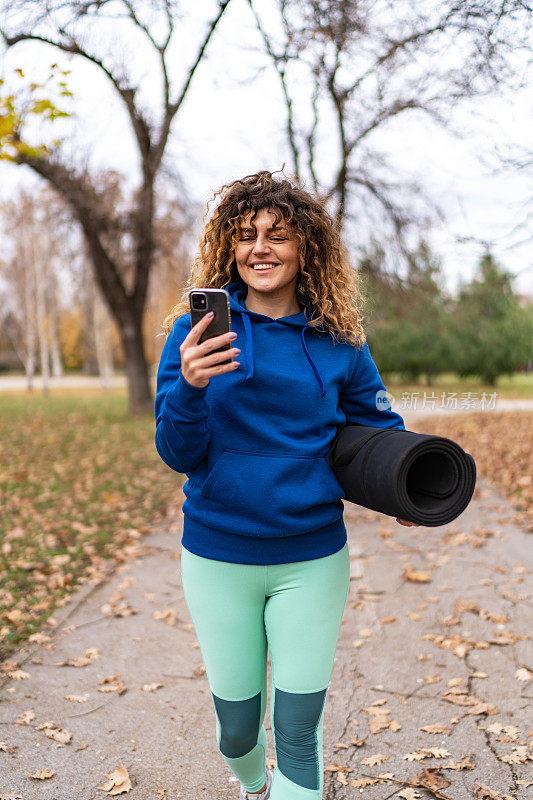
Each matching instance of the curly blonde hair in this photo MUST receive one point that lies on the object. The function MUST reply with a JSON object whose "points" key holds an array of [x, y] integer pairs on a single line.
{"points": [[328, 284]]}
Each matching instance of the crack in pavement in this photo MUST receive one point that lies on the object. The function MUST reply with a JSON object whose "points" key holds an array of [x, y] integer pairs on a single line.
{"points": [[331, 789], [485, 733]]}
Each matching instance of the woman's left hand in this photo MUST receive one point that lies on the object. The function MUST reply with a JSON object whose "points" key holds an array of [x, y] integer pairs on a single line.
{"points": [[405, 522]]}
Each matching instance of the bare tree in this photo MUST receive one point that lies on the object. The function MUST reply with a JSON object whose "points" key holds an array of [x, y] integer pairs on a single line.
{"points": [[31, 274], [369, 62], [70, 27], [513, 159], [17, 310]]}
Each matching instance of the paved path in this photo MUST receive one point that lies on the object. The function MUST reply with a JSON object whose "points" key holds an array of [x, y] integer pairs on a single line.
{"points": [[19, 382], [403, 645]]}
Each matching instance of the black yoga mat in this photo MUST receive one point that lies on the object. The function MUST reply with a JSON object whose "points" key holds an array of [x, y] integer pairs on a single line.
{"points": [[420, 478]]}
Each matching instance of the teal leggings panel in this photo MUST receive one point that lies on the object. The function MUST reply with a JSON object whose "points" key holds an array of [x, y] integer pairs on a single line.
{"points": [[294, 611]]}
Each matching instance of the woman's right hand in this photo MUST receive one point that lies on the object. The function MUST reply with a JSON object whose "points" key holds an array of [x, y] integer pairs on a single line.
{"points": [[198, 363]]}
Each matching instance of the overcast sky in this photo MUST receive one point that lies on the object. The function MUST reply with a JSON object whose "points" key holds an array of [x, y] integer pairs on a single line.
{"points": [[231, 126]]}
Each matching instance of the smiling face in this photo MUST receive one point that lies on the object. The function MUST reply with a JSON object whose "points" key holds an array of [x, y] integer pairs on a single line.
{"points": [[267, 260]]}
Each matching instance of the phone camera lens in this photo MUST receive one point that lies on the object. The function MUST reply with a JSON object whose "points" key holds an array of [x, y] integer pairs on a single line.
{"points": [[199, 302]]}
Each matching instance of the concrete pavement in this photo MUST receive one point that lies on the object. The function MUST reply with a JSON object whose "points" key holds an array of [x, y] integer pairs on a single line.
{"points": [[433, 634]]}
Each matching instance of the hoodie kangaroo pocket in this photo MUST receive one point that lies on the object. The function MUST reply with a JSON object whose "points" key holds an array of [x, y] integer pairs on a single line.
{"points": [[273, 494]]}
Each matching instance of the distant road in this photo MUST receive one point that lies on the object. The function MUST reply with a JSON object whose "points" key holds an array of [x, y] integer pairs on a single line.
{"points": [[19, 382]]}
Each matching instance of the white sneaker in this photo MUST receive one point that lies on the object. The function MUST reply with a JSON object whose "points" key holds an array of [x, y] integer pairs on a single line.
{"points": [[264, 795]]}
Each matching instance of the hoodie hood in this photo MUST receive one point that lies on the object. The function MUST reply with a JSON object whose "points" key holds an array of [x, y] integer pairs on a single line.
{"points": [[237, 291]]}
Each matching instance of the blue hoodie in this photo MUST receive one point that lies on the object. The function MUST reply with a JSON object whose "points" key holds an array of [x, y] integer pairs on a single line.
{"points": [[254, 441]]}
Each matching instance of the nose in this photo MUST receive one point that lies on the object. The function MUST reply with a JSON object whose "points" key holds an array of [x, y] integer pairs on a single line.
{"points": [[261, 244]]}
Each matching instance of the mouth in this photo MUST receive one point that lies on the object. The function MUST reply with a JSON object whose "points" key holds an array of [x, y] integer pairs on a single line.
{"points": [[263, 266]]}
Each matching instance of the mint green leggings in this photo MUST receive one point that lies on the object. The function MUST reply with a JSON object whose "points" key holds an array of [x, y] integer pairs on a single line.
{"points": [[294, 609]]}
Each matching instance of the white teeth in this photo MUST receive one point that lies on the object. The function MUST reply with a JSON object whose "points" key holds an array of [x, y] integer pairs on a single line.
{"points": [[263, 266]]}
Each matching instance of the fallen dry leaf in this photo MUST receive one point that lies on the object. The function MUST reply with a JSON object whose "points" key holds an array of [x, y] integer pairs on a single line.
{"points": [[409, 794], [112, 683], [486, 793], [460, 697], [454, 682], [59, 735], [19, 675], [360, 783], [514, 598], [507, 637], [416, 576], [80, 661], [523, 674], [427, 752], [465, 763], [119, 781], [26, 717], [42, 774], [511, 732], [375, 760], [436, 728], [519, 755], [168, 615], [432, 780]]}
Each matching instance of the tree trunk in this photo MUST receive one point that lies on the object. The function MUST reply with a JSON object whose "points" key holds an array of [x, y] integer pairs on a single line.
{"points": [[28, 325], [55, 347], [41, 319], [139, 389], [101, 341]]}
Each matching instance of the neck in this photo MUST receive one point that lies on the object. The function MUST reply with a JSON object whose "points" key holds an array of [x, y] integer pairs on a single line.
{"points": [[270, 307]]}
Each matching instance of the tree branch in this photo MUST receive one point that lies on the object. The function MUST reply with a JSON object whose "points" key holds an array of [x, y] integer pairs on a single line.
{"points": [[140, 126], [280, 63], [83, 200], [172, 108]]}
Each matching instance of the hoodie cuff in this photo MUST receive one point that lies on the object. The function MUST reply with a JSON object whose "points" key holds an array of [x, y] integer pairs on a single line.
{"points": [[187, 399]]}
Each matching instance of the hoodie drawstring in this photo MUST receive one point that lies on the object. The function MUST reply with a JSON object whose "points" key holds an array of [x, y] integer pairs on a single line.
{"points": [[250, 354], [313, 365], [249, 347]]}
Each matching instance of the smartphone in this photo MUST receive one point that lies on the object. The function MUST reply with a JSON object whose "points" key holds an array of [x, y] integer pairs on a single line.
{"points": [[201, 302]]}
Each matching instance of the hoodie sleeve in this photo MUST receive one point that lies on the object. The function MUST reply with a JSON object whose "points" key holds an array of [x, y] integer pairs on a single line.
{"points": [[364, 399], [181, 410]]}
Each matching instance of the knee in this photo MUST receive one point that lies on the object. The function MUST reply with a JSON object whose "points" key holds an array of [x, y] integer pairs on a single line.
{"points": [[296, 719], [239, 724]]}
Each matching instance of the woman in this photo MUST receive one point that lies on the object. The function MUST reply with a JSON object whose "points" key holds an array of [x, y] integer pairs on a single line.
{"points": [[264, 553]]}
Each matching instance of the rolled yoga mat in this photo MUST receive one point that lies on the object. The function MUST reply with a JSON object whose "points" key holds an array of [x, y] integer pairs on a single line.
{"points": [[420, 478]]}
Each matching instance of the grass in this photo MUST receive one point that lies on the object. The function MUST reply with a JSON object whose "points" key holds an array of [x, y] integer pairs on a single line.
{"points": [[515, 387], [80, 481]]}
